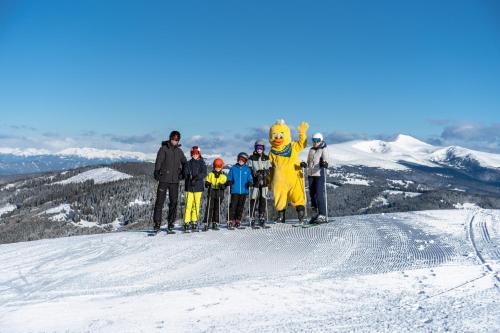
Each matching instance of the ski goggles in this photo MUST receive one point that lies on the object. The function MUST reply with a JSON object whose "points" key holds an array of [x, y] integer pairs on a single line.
{"points": [[316, 140], [259, 147]]}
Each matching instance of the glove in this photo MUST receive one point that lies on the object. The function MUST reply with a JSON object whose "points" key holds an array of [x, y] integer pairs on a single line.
{"points": [[208, 184], [303, 165], [248, 184], [303, 127], [156, 175], [323, 164], [222, 187], [229, 183]]}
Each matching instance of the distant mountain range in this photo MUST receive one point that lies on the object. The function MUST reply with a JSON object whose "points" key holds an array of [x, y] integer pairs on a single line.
{"points": [[403, 153], [24, 161], [409, 153]]}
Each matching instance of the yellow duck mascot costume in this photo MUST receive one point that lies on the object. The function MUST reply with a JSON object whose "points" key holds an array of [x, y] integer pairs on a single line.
{"points": [[287, 178]]}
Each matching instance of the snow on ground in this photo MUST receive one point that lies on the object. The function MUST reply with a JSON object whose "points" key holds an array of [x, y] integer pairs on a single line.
{"points": [[402, 272], [404, 193], [138, 202], [63, 212], [7, 208], [99, 176], [351, 178], [8, 186], [379, 202], [59, 213], [400, 183], [466, 205]]}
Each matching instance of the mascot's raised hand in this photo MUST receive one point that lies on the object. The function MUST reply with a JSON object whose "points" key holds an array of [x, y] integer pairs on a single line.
{"points": [[287, 177], [303, 127]]}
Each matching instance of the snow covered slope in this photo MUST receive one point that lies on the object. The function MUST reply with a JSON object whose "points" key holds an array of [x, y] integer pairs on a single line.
{"points": [[99, 176], [405, 272], [456, 156]]}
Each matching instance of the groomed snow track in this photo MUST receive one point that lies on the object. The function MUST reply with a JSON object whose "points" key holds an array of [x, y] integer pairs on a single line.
{"points": [[370, 273], [484, 235]]}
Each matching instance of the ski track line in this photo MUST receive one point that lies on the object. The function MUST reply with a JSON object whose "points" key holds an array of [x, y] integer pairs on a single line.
{"points": [[482, 245]]}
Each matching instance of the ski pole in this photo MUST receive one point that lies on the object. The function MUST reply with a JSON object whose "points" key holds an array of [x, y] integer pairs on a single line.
{"points": [[267, 211], [228, 202], [326, 195], [179, 204], [207, 216], [197, 210], [251, 210], [305, 194]]}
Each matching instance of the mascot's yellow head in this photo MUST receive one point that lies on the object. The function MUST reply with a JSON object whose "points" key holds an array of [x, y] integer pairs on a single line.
{"points": [[279, 135]]}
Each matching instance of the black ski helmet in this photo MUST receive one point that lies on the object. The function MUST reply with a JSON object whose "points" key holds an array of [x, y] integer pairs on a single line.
{"points": [[243, 155], [175, 135]]}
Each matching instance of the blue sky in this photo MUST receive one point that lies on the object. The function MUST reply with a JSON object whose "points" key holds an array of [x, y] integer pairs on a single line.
{"points": [[122, 74]]}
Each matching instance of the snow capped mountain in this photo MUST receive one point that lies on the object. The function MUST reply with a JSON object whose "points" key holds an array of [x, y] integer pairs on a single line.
{"points": [[23, 152], [463, 157], [85, 152], [92, 153], [19, 161], [405, 151]]}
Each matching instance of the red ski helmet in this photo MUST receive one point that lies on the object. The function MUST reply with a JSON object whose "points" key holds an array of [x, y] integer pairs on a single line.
{"points": [[195, 150], [218, 163]]}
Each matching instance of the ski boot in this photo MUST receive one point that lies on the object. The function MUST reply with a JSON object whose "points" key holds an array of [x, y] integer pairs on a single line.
{"points": [[281, 216], [194, 227], [215, 226], [253, 223], [156, 228], [187, 228], [262, 221], [301, 212], [321, 219], [315, 215], [170, 228], [237, 224], [230, 225]]}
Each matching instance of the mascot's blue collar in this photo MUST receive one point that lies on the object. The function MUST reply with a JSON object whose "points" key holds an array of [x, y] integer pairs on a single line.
{"points": [[286, 152]]}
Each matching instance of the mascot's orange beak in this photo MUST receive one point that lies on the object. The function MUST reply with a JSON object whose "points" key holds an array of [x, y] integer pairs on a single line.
{"points": [[277, 142]]}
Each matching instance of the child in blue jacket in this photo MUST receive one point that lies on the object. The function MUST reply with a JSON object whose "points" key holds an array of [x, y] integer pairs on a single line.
{"points": [[240, 179]]}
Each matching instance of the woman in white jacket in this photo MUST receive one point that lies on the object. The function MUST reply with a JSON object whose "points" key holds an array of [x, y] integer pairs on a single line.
{"points": [[317, 163]]}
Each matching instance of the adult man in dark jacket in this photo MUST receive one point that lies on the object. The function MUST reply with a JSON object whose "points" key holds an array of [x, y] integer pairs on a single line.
{"points": [[169, 166]]}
